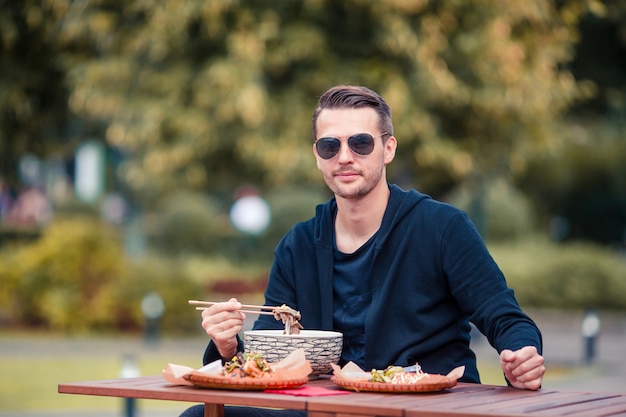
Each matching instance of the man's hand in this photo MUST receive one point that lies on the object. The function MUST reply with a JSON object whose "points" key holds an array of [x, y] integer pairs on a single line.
{"points": [[523, 368], [222, 322]]}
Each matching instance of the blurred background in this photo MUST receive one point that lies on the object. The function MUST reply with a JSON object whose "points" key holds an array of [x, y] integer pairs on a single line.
{"points": [[153, 152]]}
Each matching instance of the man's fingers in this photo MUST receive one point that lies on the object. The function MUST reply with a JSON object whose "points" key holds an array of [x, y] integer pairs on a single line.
{"points": [[523, 368]]}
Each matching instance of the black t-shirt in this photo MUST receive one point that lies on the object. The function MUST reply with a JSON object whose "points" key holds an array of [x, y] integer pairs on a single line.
{"points": [[351, 299]]}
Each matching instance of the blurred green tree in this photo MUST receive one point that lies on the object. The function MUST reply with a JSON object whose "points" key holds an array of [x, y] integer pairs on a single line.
{"points": [[209, 94], [33, 93], [605, 65], [580, 184]]}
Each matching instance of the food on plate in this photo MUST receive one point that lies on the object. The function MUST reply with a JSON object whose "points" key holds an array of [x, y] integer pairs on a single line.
{"points": [[289, 317], [393, 379], [247, 365], [396, 375]]}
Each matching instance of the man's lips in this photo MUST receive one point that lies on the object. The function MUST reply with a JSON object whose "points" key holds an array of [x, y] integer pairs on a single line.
{"points": [[346, 175]]}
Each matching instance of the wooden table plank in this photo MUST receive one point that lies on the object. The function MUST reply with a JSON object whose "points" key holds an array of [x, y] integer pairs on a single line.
{"points": [[156, 388], [472, 401], [497, 398], [555, 402], [330, 414], [447, 396], [462, 400], [411, 400], [453, 413], [609, 405], [465, 397], [367, 404], [535, 403], [532, 403], [393, 404]]}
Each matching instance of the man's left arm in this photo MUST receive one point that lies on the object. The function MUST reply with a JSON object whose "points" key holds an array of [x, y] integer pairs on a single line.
{"points": [[481, 290]]}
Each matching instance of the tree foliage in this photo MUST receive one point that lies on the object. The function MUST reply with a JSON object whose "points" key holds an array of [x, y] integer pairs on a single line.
{"points": [[33, 93], [210, 94], [207, 95]]}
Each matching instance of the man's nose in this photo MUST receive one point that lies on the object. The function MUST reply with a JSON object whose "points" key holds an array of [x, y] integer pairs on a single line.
{"points": [[345, 154]]}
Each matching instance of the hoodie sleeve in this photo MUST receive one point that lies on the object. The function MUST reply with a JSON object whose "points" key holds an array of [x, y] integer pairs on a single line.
{"points": [[480, 288]]}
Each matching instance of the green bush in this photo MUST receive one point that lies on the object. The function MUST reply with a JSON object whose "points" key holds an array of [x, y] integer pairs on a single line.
{"points": [[566, 276], [290, 206], [188, 223], [507, 213], [77, 278], [583, 183], [68, 279], [167, 277]]}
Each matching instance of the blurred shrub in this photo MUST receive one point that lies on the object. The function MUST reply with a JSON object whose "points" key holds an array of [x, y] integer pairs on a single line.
{"points": [[77, 277], [567, 276], [508, 213], [68, 279], [290, 206], [188, 222], [167, 277], [583, 183], [191, 224]]}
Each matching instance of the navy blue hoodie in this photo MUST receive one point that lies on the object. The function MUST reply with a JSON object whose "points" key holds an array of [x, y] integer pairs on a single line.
{"points": [[432, 274]]}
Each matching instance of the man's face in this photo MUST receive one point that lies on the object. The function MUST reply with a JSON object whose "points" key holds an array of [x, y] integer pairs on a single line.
{"points": [[348, 174]]}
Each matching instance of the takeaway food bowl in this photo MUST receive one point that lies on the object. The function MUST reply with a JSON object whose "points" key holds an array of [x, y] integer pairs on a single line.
{"points": [[322, 348]]}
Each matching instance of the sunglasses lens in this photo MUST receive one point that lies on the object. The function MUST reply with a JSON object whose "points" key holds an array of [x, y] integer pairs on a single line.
{"points": [[362, 143], [327, 147]]}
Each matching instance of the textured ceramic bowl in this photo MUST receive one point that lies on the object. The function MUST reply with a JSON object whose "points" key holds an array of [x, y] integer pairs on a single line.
{"points": [[321, 348]]}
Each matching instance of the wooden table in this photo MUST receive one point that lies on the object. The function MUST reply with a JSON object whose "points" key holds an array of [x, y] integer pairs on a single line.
{"points": [[462, 400]]}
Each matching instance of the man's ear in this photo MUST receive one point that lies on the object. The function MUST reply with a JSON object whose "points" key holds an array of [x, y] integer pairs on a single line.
{"points": [[317, 159], [390, 149]]}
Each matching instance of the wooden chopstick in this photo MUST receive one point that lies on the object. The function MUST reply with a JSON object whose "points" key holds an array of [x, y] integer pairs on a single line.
{"points": [[210, 303], [269, 313], [259, 308]]}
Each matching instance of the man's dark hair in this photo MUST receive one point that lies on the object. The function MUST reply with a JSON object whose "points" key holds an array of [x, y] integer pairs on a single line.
{"points": [[354, 97]]}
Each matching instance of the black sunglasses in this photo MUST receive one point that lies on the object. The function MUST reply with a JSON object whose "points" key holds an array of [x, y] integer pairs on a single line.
{"points": [[361, 143]]}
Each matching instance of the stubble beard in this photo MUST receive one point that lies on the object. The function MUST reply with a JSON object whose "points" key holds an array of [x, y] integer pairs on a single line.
{"points": [[356, 190]]}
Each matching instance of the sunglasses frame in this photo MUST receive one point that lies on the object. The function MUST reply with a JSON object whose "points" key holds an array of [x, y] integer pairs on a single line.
{"points": [[324, 154]]}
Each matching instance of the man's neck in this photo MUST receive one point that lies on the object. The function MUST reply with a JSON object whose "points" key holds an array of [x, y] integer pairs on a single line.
{"points": [[358, 219]]}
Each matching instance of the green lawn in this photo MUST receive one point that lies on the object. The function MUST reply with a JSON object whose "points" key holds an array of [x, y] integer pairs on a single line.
{"points": [[23, 375]]}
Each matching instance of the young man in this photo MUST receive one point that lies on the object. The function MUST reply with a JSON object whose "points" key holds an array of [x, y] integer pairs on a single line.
{"points": [[399, 274]]}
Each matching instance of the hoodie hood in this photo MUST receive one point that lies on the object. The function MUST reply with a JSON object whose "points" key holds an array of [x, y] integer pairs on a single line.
{"points": [[400, 204]]}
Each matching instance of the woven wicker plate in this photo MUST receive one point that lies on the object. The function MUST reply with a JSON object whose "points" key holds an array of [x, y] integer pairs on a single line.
{"points": [[428, 383], [224, 382]]}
